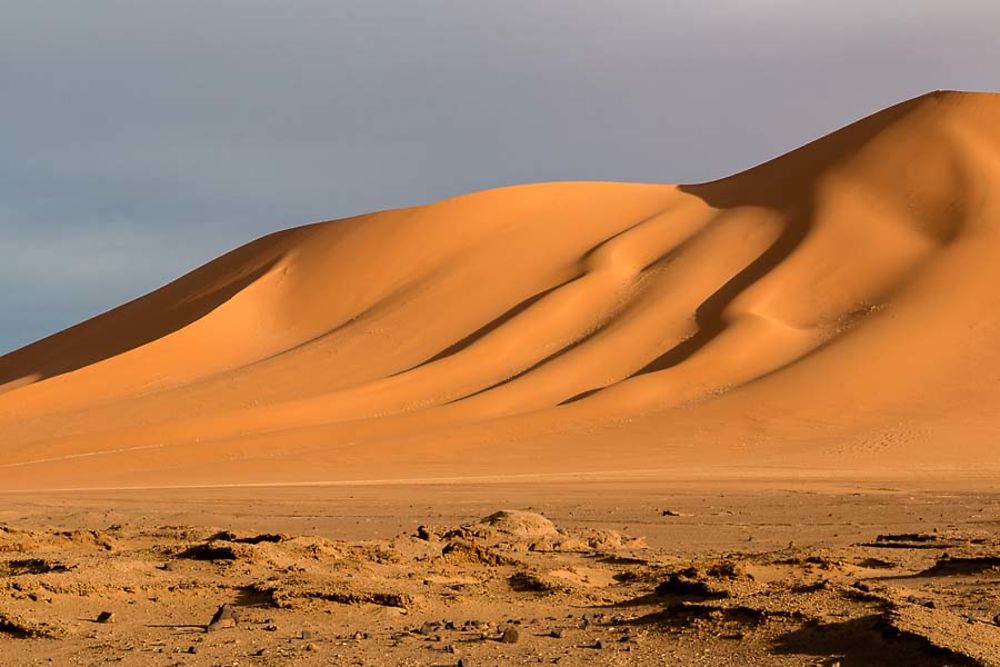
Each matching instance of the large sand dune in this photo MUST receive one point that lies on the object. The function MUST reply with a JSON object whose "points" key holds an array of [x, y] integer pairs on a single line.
{"points": [[835, 308]]}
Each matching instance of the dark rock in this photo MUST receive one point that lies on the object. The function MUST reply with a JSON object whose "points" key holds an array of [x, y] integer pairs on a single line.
{"points": [[105, 617], [192, 649], [558, 633], [510, 636], [210, 551], [688, 583]]}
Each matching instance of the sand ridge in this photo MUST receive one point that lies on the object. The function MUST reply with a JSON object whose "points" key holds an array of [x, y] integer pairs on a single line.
{"points": [[832, 307]]}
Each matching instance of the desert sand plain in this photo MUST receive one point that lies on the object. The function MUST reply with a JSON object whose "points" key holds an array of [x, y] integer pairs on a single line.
{"points": [[751, 421]]}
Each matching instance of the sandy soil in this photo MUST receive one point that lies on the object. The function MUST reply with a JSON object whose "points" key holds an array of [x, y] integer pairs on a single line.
{"points": [[602, 571]]}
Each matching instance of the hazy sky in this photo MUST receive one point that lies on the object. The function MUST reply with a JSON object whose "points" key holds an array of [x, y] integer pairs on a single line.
{"points": [[139, 139]]}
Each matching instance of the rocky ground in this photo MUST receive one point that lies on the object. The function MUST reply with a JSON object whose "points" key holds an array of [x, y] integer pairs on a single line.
{"points": [[510, 588]]}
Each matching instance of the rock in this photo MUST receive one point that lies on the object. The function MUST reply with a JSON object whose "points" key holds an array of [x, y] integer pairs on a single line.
{"points": [[270, 628], [312, 648], [510, 636], [306, 634], [428, 628], [224, 617], [558, 633], [192, 649], [464, 662], [598, 644], [106, 617], [669, 513]]}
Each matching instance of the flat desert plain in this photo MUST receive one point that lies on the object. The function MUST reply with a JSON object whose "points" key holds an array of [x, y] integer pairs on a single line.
{"points": [[750, 421], [635, 570]]}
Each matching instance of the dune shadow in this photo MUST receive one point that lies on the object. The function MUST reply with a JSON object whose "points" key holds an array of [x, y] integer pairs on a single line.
{"points": [[129, 326], [787, 185]]}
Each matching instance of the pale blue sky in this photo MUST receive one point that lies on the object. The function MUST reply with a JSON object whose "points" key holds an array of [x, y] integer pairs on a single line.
{"points": [[139, 139]]}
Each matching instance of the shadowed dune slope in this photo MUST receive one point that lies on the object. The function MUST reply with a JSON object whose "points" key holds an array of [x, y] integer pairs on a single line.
{"points": [[835, 308]]}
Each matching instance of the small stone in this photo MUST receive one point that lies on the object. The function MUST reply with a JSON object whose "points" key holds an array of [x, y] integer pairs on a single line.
{"points": [[270, 627], [598, 644], [558, 633], [192, 649], [260, 653], [106, 617], [312, 648], [224, 617], [306, 634], [359, 635], [428, 628], [464, 662], [510, 636]]}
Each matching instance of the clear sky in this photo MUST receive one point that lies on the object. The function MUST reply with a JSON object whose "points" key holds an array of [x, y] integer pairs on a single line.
{"points": [[139, 139]]}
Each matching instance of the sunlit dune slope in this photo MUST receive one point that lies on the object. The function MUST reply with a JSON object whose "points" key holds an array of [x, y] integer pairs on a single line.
{"points": [[835, 308]]}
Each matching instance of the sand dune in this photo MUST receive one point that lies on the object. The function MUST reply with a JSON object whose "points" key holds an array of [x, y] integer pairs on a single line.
{"points": [[837, 307]]}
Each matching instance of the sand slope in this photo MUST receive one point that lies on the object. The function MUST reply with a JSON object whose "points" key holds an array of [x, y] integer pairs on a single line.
{"points": [[837, 307]]}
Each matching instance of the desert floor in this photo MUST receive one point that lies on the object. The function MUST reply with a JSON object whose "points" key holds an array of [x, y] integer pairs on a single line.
{"points": [[631, 571]]}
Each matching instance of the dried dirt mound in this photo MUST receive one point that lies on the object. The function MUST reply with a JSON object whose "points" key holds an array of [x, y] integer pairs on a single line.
{"points": [[519, 524]]}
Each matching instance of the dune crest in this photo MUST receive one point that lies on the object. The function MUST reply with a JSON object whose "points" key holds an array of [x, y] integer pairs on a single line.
{"points": [[836, 307]]}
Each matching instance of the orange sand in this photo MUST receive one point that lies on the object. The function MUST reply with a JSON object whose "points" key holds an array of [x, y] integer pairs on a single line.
{"points": [[835, 308]]}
